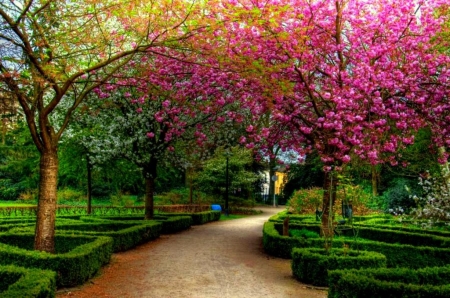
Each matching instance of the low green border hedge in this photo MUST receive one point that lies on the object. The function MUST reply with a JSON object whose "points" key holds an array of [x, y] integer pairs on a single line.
{"points": [[311, 265], [25, 282], [170, 224], [73, 267], [199, 218], [125, 235], [397, 255], [430, 282]]}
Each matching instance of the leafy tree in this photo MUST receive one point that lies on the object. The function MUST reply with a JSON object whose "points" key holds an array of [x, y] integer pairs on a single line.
{"points": [[212, 178], [348, 78], [54, 53]]}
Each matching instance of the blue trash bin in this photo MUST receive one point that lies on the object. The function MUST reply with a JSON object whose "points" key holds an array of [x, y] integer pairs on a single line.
{"points": [[216, 207]]}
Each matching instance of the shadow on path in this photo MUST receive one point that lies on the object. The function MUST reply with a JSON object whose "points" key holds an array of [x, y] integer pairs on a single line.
{"points": [[222, 259]]}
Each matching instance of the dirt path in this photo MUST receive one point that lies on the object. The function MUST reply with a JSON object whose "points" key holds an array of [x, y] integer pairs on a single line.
{"points": [[221, 259]]}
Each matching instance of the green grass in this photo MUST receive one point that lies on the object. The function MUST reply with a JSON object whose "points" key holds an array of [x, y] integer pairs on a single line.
{"points": [[16, 204], [231, 216]]}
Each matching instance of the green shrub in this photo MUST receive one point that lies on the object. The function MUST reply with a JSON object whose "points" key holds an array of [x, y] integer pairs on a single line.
{"points": [[170, 224], [311, 265], [26, 282], [125, 235], [81, 257], [277, 245], [303, 233], [390, 283], [397, 255], [199, 218], [69, 195], [305, 200]]}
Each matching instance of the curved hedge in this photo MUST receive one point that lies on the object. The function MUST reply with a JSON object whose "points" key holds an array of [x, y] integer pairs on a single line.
{"points": [[77, 259], [397, 255], [431, 282], [170, 224], [25, 282], [125, 235], [311, 265], [199, 218]]}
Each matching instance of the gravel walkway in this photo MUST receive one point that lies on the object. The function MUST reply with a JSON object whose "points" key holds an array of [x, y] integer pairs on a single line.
{"points": [[222, 259]]}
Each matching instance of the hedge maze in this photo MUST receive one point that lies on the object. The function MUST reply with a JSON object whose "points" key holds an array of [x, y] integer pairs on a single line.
{"points": [[83, 245], [389, 260]]}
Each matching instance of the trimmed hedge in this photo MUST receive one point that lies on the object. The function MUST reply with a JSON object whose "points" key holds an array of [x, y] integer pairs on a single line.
{"points": [[397, 255], [170, 224], [431, 282], [311, 265], [76, 260], [26, 282], [199, 218], [125, 235]]}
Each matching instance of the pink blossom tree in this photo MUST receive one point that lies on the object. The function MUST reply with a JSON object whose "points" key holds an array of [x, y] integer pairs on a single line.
{"points": [[348, 79], [158, 101]]}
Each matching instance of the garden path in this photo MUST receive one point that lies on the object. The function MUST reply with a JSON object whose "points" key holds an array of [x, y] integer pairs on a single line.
{"points": [[222, 259]]}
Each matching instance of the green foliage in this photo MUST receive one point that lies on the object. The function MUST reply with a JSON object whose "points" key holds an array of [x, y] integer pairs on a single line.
{"points": [[390, 283], [211, 179], [73, 267], [397, 255], [200, 218], [311, 265], [26, 282], [305, 200], [303, 233], [69, 195], [304, 176], [125, 235], [397, 199]]}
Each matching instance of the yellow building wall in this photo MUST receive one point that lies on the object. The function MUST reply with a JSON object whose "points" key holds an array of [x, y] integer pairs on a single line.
{"points": [[279, 184]]}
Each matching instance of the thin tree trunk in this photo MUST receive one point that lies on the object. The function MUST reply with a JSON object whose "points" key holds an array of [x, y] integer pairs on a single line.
{"points": [[150, 177], [149, 189], [44, 238], [329, 197], [89, 185], [374, 181]]}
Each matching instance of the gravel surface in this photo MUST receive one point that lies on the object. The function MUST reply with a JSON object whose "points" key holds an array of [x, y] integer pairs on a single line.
{"points": [[222, 259]]}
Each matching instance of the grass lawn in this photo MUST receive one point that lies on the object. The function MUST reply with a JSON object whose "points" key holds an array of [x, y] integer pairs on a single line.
{"points": [[231, 216], [16, 204]]}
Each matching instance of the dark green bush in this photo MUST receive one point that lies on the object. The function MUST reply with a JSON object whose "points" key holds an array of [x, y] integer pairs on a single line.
{"points": [[125, 234], [170, 224], [25, 282], [199, 218], [311, 265], [430, 282], [73, 267], [303, 233], [397, 255], [277, 245]]}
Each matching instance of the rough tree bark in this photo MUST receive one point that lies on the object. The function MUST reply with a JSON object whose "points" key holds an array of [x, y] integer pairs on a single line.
{"points": [[44, 238]]}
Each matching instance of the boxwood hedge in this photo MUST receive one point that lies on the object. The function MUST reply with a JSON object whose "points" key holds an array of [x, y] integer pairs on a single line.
{"points": [[430, 282], [397, 255], [26, 282], [77, 257], [311, 265]]}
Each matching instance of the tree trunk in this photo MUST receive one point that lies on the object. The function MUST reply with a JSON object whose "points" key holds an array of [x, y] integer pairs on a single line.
{"points": [[329, 197], [44, 238], [89, 185], [150, 177], [445, 169], [271, 182], [374, 181]]}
